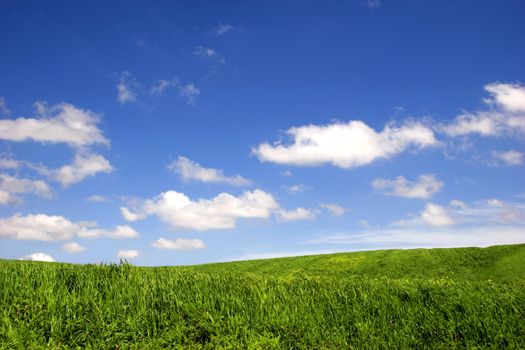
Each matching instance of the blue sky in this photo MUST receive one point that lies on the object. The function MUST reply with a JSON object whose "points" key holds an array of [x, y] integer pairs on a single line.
{"points": [[173, 133]]}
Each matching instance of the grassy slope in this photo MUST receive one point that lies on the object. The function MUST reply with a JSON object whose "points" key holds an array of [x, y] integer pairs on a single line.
{"points": [[505, 263], [381, 299]]}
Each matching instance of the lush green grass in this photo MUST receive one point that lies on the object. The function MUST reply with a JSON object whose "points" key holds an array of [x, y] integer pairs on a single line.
{"points": [[442, 298]]}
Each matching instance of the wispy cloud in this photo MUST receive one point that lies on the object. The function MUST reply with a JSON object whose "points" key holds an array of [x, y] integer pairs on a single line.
{"points": [[179, 244], [3, 107], [190, 93], [424, 187], [222, 28], [209, 54], [294, 189], [505, 118], [333, 209], [127, 88], [509, 158], [96, 198], [190, 170], [296, 214]]}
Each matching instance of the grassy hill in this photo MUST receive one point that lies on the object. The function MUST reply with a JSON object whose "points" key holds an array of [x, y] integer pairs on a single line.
{"points": [[438, 298], [502, 263]]}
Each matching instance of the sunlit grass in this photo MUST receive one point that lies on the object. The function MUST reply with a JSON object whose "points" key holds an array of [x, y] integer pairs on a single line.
{"points": [[261, 305]]}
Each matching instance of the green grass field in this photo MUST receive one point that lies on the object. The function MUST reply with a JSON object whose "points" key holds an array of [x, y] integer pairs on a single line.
{"points": [[394, 299]]}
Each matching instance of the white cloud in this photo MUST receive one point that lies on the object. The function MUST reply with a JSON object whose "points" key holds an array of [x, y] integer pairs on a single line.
{"points": [[506, 118], [8, 198], [190, 170], [129, 215], [372, 4], [61, 123], [37, 227], [481, 236], [190, 93], [73, 248], [222, 29], [509, 158], [209, 54], [164, 84], [297, 214], [120, 232], [510, 97], [44, 227], [13, 184], [3, 106], [436, 215], [345, 145], [296, 188], [220, 212], [179, 244], [205, 52], [128, 254], [9, 163], [96, 198], [425, 186], [127, 88], [457, 204], [38, 257], [83, 166], [334, 209]]}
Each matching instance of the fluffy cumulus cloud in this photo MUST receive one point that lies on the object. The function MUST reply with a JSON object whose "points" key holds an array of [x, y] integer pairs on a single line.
{"points": [[436, 215], [38, 257], [506, 117], [333, 209], [220, 212], [510, 97], [44, 227], [179, 244], [73, 248], [345, 145], [37, 227], [128, 254], [83, 166], [508, 158], [190, 170], [61, 123], [424, 187], [126, 88], [12, 184], [296, 214]]}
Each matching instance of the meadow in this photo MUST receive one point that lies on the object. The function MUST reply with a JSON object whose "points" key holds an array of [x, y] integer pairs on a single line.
{"points": [[459, 298]]}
